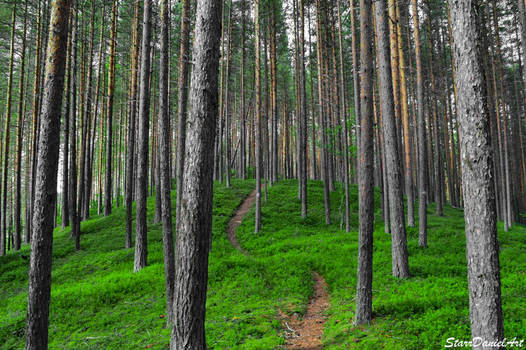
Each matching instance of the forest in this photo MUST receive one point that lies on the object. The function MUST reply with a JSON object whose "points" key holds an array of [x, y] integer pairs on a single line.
{"points": [[262, 174]]}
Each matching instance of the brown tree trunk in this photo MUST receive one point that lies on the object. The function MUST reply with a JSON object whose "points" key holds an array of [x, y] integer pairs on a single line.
{"points": [[421, 131], [258, 148], [400, 264], [141, 230], [364, 294], [111, 92]]}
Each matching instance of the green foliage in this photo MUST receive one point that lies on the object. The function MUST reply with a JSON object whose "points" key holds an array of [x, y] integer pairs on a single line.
{"points": [[98, 302]]}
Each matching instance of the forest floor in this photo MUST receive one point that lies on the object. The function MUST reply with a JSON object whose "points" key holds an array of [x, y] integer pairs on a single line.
{"points": [[97, 302]]}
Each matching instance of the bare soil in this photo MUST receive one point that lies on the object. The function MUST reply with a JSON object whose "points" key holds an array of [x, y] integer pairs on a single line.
{"points": [[234, 223], [306, 333]]}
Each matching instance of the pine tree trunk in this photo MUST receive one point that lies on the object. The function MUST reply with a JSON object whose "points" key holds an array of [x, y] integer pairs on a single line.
{"points": [[111, 91], [194, 236], [421, 131], [3, 212], [400, 264], [130, 164], [141, 249], [364, 294], [182, 88], [477, 172], [46, 181], [258, 148]]}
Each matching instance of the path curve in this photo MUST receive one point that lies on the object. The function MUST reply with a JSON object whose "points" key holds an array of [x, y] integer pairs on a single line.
{"points": [[306, 333], [234, 223]]}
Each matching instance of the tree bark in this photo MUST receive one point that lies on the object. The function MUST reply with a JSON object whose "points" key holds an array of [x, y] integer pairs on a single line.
{"points": [[130, 164], [46, 181], [421, 131], [164, 154], [364, 294], [477, 176], [400, 264], [194, 236], [141, 248]]}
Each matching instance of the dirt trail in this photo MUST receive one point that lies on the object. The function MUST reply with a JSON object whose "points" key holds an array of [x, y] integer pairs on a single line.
{"points": [[234, 223], [306, 333]]}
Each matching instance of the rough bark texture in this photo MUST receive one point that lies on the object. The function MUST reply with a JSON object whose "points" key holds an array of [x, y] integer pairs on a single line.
{"points": [[20, 129], [194, 236], [182, 86], [399, 253], [5, 154], [141, 249], [46, 181], [130, 169], [164, 154], [477, 175], [364, 294], [421, 131], [258, 148], [109, 126]]}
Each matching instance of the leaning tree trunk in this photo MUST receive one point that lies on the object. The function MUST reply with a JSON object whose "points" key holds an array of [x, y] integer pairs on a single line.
{"points": [[477, 176], [46, 181], [364, 294], [400, 264], [194, 236], [141, 248]]}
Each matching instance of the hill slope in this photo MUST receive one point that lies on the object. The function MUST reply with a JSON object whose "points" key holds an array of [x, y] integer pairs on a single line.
{"points": [[98, 302]]}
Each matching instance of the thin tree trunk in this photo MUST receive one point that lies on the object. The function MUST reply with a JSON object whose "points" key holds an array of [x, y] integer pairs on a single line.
{"points": [[7, 134], [182, 88], [364, 294], [400, 264], [130, 164], [421, 131], [141, 248], [258, 148], [111, 91]]}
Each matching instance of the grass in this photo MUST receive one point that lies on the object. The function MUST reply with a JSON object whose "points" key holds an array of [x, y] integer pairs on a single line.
{"points": [[99, 303]]}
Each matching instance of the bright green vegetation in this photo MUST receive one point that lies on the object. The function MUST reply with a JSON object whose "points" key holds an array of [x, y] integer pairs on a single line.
{"points": [[99, 303]]}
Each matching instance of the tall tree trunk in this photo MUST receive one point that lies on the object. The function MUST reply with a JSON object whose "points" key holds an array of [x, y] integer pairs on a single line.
{"points": [[477, 173], [141, 248], [400, 264], [322, 116], [3, 213], [182, 88], [405, 123], [421, 131], [164, 154], [19, 136], [46, 184], [194, 236], [364, 294], [111, 91], [258, 148], [130, 164]]}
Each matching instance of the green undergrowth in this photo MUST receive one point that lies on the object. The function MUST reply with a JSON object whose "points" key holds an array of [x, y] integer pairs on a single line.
{"points": [[99, 303]]}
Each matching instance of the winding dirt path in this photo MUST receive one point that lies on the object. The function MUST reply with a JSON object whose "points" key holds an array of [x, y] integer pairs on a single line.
{"points": [[306, 333], [234, 223]]}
